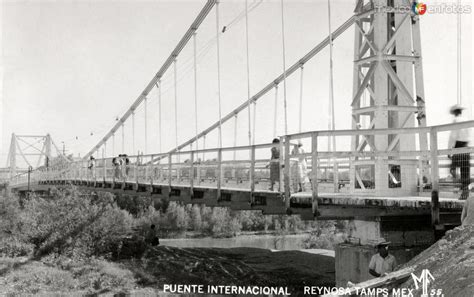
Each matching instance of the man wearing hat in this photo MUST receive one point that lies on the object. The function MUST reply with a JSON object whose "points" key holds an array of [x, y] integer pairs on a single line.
{"points": [[382, 262], [457, 139]]}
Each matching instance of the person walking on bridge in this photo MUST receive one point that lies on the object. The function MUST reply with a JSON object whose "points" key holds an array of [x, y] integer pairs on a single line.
{"points": [[299, 168], [92, 166], [117, 170], [460, 138], [275, 164]]}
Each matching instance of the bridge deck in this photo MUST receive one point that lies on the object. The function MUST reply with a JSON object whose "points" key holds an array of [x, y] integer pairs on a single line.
{"points": [[356, 200], [272, 202]]}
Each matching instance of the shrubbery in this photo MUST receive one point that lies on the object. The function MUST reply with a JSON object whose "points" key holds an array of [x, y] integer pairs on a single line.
{"points": [[77, 224], [215, 221], [61, 274], [66, 223], [75, 234], [326, 235]]}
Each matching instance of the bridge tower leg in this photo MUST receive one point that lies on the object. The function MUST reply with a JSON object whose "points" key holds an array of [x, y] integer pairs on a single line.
{"points": [[388, 92]]}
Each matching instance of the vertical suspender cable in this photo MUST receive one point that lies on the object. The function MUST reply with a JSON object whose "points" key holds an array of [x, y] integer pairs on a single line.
{"points": [[204, 147], [105, 147], [158, 85], [176, 103], [235, 132], [113, 144], [275, 115], [146, 125], [248, 68], [284, 65], [195, 92], [133, 132], [301, 102], [331, 84], [218, 74], [459, 82], [254, 121], [123, 138]]}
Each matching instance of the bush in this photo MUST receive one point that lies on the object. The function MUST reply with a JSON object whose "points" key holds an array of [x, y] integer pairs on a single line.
{"points": [[251, 220], [57, 274], [74, 224], [9, 212], [35, 278], [98, 275], [326, 236], [134, 204], [222, 224], [12, 246]]}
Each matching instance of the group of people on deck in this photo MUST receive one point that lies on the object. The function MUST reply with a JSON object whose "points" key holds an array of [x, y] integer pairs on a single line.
{"points": [[298, 167], [121, 166]]}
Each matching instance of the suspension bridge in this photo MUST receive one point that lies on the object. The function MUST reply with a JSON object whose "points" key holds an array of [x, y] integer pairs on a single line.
{"points": [[389, 173]]}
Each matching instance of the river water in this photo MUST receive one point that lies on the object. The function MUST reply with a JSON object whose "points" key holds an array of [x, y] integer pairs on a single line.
{"points": [[271, 242]]}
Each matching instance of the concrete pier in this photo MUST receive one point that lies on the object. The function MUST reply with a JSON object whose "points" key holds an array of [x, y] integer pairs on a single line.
{"points": [[352, 261]]}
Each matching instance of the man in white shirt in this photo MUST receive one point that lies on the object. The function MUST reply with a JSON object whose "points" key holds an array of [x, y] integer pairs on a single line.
{"points": [[457, 139], [382, 263]]}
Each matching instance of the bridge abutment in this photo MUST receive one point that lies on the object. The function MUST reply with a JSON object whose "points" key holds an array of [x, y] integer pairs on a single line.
{"points": [[409, 235], [352, 260]]}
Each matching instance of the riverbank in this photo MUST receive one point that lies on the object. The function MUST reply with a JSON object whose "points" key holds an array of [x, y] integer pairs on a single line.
{"points": [[236, 266], [166, 265]]}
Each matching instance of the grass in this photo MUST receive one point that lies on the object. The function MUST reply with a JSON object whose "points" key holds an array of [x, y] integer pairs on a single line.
{"points": [[63, 276]]}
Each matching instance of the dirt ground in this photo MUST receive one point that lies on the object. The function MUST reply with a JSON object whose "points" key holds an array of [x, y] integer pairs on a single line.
{"points": [[157, 266], [236, 266]]}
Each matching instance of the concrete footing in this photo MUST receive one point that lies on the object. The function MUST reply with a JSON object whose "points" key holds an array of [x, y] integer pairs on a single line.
{"points": [[408, 235], [352, 261]]}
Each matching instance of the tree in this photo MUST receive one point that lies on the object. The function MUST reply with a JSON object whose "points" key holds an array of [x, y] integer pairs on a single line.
{"points": [[196, 219]]}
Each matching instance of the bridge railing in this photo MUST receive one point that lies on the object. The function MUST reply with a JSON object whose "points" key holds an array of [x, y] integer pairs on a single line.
{"points": [[403, 167], [305, 164]]}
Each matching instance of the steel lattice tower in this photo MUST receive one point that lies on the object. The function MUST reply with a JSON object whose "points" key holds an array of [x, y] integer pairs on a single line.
{"points": [[388, 92]]}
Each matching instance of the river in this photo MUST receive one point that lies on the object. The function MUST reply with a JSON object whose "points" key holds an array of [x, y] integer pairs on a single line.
{"points": [[271, 242]]}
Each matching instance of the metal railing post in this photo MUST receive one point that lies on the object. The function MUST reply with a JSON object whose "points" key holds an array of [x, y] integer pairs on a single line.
{"points": [[94, 170], [252, 173], [147, 171], [434, 177], [219, 173], [314, 173], [135, 170], [105, 170], [286, 172], [198, 170], [191, 176], [169, 170], [152, 169]]}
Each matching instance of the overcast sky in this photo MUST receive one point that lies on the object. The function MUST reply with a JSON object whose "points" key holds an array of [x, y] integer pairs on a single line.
{"points": [[69, 68]]}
